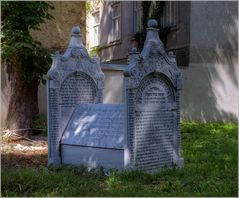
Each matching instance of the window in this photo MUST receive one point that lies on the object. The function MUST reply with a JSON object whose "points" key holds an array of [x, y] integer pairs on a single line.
{"points": [[116, 22], [96, 28], [169, 18], [137, 16], [176, 16]]}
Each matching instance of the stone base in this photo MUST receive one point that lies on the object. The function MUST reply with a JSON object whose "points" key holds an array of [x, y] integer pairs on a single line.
{"points": [[180, 162], [93, 157]]}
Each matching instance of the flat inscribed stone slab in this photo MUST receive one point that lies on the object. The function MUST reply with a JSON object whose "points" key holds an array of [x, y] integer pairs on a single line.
{"points": [[95, 125]]}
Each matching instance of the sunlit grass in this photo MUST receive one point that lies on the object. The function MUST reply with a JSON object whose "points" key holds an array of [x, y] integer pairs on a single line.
{"points": [[209, 151]]}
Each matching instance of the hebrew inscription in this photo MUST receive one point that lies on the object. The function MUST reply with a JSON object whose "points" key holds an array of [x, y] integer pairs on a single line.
{"points": [[154, 89], [152, 94], [153, 124], [153, 139], [96, 125], [53, 119], [77, 88]]}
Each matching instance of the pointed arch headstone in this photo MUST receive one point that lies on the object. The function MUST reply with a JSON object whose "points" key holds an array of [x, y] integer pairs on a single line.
{"points": [[74, 78], [152, 114]]}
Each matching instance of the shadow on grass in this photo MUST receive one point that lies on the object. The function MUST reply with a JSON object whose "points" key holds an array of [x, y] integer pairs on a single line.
{"points": [[211, 167], [22, 160]]}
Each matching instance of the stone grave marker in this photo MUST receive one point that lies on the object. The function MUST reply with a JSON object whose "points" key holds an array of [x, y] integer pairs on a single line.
{"points": [[94, 136], [143, 133], [74, 78], [152, 114]]}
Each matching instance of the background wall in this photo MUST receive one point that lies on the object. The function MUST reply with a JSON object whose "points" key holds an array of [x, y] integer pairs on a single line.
{"points": [[114, 52], [113, 91], [55, 34], [210, 82]]}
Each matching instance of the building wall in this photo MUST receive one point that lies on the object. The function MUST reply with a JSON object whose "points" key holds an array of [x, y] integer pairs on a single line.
{"points": [[53, 35], [178, 38], [113, 90], [210, 83], [114, 52]]}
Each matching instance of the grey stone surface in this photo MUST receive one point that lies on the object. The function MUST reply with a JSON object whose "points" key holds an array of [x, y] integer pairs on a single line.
{"points": [[74, 78], [142, 133], [94, 136], [93, 156], [96, 125], [152, 92]]}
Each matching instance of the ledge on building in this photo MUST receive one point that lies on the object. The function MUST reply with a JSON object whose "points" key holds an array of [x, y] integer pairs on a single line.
{"points": [[110, 66]]}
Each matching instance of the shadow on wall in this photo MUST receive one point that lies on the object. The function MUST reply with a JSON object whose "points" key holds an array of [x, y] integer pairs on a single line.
{"points": [[210, 85], [5, 88]]}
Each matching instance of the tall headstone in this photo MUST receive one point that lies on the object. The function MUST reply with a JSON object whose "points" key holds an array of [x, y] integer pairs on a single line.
{"points": [[74, 78], [152, 114]]}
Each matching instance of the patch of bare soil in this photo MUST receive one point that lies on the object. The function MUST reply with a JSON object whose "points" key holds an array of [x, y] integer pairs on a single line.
{"points": [[22, 152]]}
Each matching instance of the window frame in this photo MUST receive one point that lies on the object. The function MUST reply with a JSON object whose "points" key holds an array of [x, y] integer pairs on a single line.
{"points": [[95, 25], [114, 18], [170, 17], [137, 16]]}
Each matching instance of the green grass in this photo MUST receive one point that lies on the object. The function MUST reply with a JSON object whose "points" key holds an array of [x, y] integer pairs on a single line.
{"points": [[209, 151]]}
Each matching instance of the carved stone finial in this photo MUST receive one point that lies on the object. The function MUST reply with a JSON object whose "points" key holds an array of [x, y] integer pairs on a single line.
{"points": [[75, 30], [133, 51], [75, 41], [57, 53], [152, 23], [170, 53]]}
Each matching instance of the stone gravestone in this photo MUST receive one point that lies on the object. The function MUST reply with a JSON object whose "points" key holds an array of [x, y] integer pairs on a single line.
{"points": [[74, 78], [152, 114], [94, 136], [143, 133]]}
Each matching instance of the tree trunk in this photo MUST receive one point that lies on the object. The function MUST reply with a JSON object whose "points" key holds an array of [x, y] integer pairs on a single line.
{"points": [[23, 104]]}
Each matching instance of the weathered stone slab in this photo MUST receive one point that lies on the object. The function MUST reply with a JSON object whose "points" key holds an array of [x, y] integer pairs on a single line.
{"points": [[96, 125], [74, 78], [152, 88], [92, 157], [77, 88]]}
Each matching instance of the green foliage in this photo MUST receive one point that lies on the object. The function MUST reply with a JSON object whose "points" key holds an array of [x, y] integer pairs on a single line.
{"points": [[210, 154], [26, 55], [96, 50], [89, 5], [39, 122]]}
